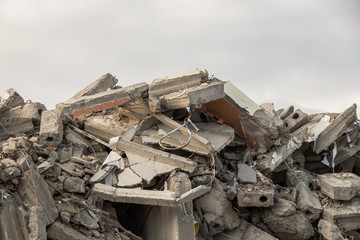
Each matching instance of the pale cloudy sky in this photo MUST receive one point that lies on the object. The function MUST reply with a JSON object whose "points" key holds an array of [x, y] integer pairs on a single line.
{"points": [[304, 52]]}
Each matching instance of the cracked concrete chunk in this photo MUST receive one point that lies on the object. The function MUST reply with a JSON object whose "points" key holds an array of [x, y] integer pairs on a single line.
{"points": [[51, 128], [217, 203], [74, 185], [128, 178]]}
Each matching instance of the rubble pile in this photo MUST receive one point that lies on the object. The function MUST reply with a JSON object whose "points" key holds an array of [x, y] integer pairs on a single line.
{"points": [[185, 157]]}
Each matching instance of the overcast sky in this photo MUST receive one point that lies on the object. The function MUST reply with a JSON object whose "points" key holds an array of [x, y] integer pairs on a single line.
{"points": [[304, 53]]}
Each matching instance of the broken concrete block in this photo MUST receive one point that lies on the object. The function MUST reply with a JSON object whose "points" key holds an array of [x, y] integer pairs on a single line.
{"points": [[150, 169], [287, 193], [101, 101], [76, 138], [34, 191], [335, 129], [295, 176], [244, 231], [296, 120], [286, 112], [103, 83], [216, 202], [329, 230], [283, 207], [262, 197], [51, 128], [60, 231], [214, 223], [84, 218], [308, 202], [246, 174], [340, 186], [37, 223], [8, 162], [74, 185], [176, 82], [9, 100], [294, 227], [345, 215]]}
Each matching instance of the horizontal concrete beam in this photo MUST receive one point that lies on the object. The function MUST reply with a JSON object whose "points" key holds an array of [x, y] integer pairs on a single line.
{"points": [[104, 100]]}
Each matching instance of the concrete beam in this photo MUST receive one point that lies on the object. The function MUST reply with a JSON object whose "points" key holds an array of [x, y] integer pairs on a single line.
{"points": [[335, 129], [51, 129], [100, 101], [176, 82], [100, 85]]}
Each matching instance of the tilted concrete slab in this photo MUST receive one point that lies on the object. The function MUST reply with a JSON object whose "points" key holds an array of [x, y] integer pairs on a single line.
{"points": [[156, 155], [103, 83]]}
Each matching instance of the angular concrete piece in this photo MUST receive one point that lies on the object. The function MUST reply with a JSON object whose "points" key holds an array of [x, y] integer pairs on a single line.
{"points": [[296, 120], [244, 231], [345, 215], [335, 129], [176, 82], [100, 85], [100, 101], [329, 230], [255, 198], [295, 226], [283, 207], [10, 99], [150, 169], [216, 202], [308, 202], [128, 178], [246, 174], [35, 192], [340, 186], [85, 219], [51, 128], [156, 155]]}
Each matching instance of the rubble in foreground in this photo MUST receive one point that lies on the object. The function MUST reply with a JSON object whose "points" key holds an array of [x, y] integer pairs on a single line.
{"points": [[185, 157]]}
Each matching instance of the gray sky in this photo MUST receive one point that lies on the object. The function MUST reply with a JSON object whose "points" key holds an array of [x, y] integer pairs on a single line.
{"points": [[305, 52]]}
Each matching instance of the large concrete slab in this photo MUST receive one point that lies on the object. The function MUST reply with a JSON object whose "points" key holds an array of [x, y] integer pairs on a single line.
{"points": [[34, 191]]}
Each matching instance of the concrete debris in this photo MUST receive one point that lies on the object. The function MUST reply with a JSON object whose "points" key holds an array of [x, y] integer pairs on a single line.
{"points": [[185, 157]]}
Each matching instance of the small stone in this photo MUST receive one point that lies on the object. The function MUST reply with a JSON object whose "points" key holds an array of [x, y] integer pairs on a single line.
{"points": [[246, 174], [8, 162], [65, 217], [95, 233], [329, 230], [13, 171]]}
